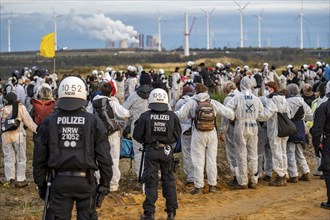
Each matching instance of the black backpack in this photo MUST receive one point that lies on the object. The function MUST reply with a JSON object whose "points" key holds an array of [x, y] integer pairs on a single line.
{"points": [[5, 89], [30, 90], [102, 108]]}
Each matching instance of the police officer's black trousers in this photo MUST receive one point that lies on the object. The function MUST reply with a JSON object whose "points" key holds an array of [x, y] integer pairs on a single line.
{"points": [[154, 158], [65, 190], [327, 183]]}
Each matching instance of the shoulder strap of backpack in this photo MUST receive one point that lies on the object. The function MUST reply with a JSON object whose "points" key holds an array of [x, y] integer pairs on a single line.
{"points": [[15, 110]]}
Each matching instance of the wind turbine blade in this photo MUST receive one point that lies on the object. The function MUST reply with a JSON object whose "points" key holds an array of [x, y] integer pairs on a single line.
{"points": [[297, 17], [255, 16], [262, 12], [309, 21], [237, 4], [246, 5], [204, 11], [54, 13], [212, 11]]}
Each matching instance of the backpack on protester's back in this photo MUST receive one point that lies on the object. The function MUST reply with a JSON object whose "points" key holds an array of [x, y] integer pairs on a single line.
{"points": [[205, 116], [5, 89], [30, 90], [102, 108], [41, 109]]}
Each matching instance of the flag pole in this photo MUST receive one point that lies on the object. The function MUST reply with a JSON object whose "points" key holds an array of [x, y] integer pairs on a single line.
{"points": [[54, 64]]}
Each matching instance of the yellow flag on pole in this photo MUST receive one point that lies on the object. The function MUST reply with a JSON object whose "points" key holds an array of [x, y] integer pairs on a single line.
{"points": [[47, 45]]}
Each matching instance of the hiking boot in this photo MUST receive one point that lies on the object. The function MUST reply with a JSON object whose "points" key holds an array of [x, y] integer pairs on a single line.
{"points": [[237, 186], [293, 180], [147, 216], [21, 184], [252, 186], [11, 183], [305, 177], [196, 191], [138, 187], [170, 214], [279, 181], [267, 178], [233, 182], [325, 205], [212, 189], [187, 183]]}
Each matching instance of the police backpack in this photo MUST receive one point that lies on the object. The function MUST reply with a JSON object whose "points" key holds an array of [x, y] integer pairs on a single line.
{"points": [[204, 116], [102, 108]]}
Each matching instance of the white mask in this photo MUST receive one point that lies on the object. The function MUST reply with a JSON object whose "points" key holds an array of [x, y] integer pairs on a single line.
{"points": [[266, 92]]}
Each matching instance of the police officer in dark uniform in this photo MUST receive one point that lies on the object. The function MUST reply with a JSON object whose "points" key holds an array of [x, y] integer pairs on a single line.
{"points": [[157, 129], [321, 140], [71, 145]]}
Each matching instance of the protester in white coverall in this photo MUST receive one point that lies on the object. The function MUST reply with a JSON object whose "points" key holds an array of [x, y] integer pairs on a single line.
{"points": [[264, 152], [137, 103], [248, 108], [204, 144], [121, 114], [20, 91], [176, 86], [227, 130], [295, 151], [188, 167], [14, 142], [277, 144]]}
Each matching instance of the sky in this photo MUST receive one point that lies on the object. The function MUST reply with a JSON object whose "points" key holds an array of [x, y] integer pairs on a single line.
{"points": [[89, 24]]}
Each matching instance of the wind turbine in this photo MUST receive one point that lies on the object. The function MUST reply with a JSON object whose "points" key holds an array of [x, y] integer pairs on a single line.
{"points": [[241, 9], [159, 33], [55, 17], [207, 15], [301, 15], [9, 19], [259, 27], [9, 31]]}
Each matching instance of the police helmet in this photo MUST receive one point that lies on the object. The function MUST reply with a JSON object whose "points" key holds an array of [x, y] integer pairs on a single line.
{"points": [[190, 63], [72, 93], [158, 100]]}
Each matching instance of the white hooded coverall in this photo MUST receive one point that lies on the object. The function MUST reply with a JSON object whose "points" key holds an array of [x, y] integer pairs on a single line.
{"points": [[204, 144]]}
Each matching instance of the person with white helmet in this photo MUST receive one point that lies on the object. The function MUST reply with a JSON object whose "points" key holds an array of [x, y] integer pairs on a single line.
{"points": [[14, 141], [69, 147], [204, 140], [132, 81], [188, 67], [157, 129], [321, 141], [137, 103]]}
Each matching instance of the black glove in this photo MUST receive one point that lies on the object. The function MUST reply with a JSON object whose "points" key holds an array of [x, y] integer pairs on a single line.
{"points": [[178, 81], [318, 151], [102, 191], [42, 192]]}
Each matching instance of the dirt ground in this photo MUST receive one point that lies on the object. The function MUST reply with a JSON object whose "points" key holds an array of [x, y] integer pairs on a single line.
{"points": [[295, 201]]}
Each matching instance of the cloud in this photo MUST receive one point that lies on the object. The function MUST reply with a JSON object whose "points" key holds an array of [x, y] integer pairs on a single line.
{"points": [[100, 27]]}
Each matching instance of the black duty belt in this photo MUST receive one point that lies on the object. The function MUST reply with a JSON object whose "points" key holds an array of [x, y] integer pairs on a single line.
{"points": [[71, 173]]}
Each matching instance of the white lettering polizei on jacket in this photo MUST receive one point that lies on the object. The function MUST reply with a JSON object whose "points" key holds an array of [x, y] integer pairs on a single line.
{"points": [[73, 120]]}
